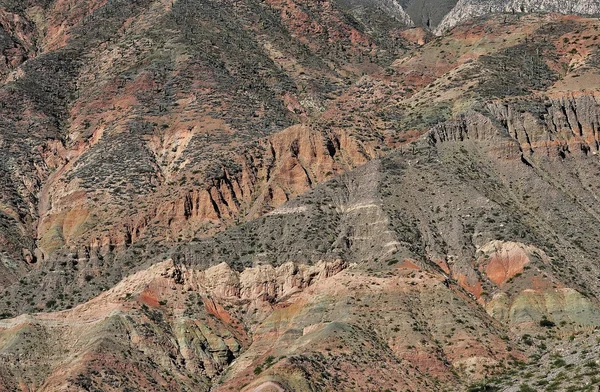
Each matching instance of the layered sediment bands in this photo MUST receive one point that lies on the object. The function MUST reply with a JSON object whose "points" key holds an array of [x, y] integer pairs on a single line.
{"points": [[557, 126], [300, 327], [523, 299], [480, 128], [285, 165], [468, 126], [289, 163], [517, 281], [553, 127], [282, 166], [162, 187]]}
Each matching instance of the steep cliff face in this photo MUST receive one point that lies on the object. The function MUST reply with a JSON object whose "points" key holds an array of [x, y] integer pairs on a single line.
{"points": [[552, 126], [564, 125]]}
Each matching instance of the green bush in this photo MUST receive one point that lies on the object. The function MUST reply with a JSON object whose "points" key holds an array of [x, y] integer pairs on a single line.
{"points": [[546, 323], [526, 388]]}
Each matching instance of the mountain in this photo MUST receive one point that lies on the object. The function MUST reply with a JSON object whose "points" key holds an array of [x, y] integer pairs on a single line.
{"points": [[441, 15], [299, 195], [467, 9], [118, 134], [428, 13]]}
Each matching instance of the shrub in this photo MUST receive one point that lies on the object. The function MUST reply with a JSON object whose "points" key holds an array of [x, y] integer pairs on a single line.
{"points": [[482, 387], [546, 323], [526, 388]]}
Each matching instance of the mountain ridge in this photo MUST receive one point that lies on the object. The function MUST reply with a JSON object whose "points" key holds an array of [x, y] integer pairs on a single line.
{"points": [[297, 195]]}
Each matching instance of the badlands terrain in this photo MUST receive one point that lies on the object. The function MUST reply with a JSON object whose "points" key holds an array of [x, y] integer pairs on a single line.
{"points": [[299, 195]]}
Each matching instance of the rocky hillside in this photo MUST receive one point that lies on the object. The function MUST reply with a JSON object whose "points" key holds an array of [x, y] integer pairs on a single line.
{"points": [[157, 121], [172, 327], [295, 195], [468, 9]]}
